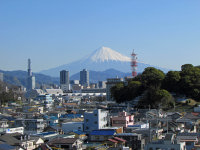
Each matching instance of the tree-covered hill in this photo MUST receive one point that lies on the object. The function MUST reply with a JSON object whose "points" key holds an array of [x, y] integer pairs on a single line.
{"points": [[156, 87]]}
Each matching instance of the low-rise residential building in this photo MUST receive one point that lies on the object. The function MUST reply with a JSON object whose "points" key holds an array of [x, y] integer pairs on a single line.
{"points": [[101, 135], [168, 142], [66, 143], [79, 134], [133, 140], [123, 119], [31, 126], [191, 139], [72, 126]]}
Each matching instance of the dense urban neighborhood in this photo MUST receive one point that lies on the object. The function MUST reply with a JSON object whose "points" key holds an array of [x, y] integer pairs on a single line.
{"points": [[148, 111]]}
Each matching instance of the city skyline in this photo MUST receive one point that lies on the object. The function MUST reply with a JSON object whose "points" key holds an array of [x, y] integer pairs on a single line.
{"points": [[53, 33]]}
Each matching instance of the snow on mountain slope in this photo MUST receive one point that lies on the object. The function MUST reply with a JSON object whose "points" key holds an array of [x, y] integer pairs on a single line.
{"points": [[106, 54], [101, 59]]}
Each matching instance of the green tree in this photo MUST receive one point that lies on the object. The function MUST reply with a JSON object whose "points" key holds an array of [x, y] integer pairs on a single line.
{"points": [[117, 92], [164, 98], [152, 77], [156, 98], [171, 81], [190, 81], [134, 89]]}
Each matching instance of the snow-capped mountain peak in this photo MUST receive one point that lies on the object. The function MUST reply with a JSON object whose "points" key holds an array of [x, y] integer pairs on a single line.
{"points": [[107, 54]]}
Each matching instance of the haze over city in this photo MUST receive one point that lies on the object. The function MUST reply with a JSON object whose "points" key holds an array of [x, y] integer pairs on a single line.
{"points": [[53, 33]]}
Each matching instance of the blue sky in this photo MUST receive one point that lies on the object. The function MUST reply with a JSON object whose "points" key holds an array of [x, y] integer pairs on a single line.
{"points": [[164, 33]]}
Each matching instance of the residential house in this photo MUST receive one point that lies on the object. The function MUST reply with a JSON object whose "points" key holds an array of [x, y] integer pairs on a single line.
{"points": [[18, 140], [168, 142], [133, 140], [66, 143], [101, 135], [115, 142], [30, 125], [79, 134], [71, 126], [191, 139], [122, 120]]}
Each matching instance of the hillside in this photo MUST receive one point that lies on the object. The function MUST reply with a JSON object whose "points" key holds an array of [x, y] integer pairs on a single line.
{"points": [[18, 78]]}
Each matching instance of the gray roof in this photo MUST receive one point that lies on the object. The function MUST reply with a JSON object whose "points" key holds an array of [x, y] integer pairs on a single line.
{"points": [[6, 146], [187, 136], [63, 141], [10, 140]]}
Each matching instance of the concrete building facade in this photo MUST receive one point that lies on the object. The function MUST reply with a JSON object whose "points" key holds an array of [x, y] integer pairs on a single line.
{"points": [[110, 83], [1, 76], [84, 77], [94, 120], [64, 80]]}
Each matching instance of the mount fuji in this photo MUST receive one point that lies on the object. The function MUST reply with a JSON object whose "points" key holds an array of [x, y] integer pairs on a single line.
{"points": [[101, 59]]}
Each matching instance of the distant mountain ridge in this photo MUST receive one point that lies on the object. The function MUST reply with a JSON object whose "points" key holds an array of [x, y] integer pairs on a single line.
{"points": [[101, 59], [103, 63], [19, 78], [96, 76]]}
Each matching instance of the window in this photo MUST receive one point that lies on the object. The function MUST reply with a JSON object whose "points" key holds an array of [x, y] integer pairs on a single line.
{"points": [[95, 114], [97, 137], [95, 122], [87, 128], [87, 120]]}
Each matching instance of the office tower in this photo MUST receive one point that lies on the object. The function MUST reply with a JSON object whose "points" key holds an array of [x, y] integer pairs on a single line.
{"points": [[84, 77], [1, 76], [64, 80], [102, 84], [30, 78]]}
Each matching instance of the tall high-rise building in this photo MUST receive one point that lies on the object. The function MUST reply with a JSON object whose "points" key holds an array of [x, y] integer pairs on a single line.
{"points": [[84, 77], [1, 76], [30, 78], [64, 80]]}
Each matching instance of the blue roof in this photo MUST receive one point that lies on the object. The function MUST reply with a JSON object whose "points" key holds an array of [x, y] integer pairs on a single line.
{"points": [[71, 116], [50, 117], [102, 132], [53, 118], [134, 125], [45, 133]]}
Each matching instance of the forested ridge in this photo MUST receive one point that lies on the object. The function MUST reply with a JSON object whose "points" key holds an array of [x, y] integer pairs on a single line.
{"points": [[155, 88]]}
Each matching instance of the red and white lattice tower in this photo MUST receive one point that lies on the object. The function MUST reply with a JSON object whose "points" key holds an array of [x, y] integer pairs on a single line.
{"points": [[134, 64]]}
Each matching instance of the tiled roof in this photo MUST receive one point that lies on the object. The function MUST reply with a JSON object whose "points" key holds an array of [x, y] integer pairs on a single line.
{"points": [[187, 136], [119, 139], [63, 141], [9, 140], [112, 140], [6, 146]]}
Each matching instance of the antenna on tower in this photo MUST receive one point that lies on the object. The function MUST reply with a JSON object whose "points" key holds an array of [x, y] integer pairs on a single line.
{"points": [[134, 64], [29, 67]]}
